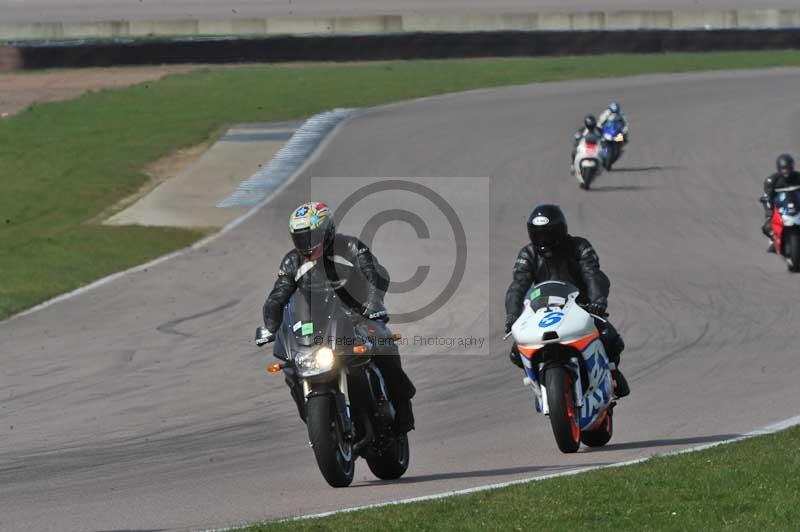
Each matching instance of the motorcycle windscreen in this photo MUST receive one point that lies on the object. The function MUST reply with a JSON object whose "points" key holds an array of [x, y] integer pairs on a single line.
{"points": [[314, 318], [591, 138], [788, 203], [613, 128], [550, 294]]}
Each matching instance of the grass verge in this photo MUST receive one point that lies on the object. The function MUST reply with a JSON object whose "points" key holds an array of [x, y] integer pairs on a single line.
{"points": [[749, 485], [63, 163]]}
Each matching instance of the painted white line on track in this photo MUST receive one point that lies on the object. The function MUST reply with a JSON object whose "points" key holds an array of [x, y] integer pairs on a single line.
{"points": [[769, 429], [286, 162], [319, 144]]}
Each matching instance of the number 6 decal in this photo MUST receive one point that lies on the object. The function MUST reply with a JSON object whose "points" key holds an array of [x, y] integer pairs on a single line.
{"points": [[551, 319]]}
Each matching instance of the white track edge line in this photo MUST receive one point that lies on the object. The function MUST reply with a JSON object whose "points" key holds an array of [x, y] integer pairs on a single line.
{"points": [[769, 429], [313, 156]]}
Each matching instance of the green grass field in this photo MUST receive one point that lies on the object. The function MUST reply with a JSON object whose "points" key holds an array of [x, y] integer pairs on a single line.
{"points": [[61, 164], [749, 485]]}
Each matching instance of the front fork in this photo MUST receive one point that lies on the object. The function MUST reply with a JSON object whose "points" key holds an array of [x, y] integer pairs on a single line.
{"points": [[342, 398], [540, 390]]}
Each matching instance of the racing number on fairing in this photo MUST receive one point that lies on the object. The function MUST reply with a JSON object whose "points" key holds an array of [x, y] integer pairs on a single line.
{"points": [[551, 319]]}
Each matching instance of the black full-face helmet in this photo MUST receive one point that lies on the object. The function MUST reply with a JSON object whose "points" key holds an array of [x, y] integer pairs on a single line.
{"points": [[312, 228], [785, 164], [590, 121], [547, 228]]}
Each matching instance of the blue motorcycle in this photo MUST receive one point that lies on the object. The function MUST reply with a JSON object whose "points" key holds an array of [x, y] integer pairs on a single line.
{"points": [[613, 141]]}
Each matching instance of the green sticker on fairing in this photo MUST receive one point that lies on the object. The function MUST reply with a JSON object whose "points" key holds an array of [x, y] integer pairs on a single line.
{"points": [[306, 329], [536, 293]]}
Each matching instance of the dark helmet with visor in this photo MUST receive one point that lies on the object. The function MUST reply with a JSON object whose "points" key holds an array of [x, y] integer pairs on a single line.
{"points": [[785, 164], [547, 228]]}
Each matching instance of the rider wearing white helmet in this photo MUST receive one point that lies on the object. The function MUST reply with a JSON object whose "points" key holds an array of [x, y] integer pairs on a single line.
{"points": [[614, 111]]}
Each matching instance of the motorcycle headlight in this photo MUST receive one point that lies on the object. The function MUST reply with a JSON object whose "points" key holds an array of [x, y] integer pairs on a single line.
{"points": [[316, 362], [324, 358], [619, 138]]}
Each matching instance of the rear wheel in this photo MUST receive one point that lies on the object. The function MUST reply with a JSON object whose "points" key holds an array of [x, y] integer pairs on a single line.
{"points": [[334, 454], [602, 434], [393, 462], [792, 243], [563, 414]]}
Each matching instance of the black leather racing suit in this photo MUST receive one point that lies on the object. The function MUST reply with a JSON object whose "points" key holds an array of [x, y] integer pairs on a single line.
{"points": [[347, 263], [574, 261], [776, 180]]}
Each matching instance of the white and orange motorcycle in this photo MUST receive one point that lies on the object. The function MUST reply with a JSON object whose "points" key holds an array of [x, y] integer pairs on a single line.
{"points": [[566, 366]]}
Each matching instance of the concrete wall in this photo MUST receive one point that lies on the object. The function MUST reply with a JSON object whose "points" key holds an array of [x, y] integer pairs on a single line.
{"points": [[600, 20]]}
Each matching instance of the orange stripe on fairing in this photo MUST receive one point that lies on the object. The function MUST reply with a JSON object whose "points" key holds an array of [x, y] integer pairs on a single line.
{"points": [[581, 344], [527, 351]]}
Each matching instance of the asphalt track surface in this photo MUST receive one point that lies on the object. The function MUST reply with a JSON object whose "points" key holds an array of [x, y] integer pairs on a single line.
{"points": [[87, 10], [142, 404]]}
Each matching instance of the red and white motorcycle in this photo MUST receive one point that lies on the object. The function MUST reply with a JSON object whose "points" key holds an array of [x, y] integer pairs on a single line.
{"points": [[588, 163]]}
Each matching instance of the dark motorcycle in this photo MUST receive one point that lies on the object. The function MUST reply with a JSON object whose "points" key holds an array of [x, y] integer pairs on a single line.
{"points": [[340, 392], [785, 225]]}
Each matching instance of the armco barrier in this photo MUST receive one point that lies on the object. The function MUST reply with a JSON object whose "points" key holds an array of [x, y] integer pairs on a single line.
{"points": [[394, 46]]}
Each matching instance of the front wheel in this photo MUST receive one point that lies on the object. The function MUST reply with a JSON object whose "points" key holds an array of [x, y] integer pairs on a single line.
{"points": [[392, 463], [792, 243], [588, 175], [563, 414], [602, 434], [334, 454]]}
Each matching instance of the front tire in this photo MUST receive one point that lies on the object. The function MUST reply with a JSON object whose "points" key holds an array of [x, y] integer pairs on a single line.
{"points": [[793, 252], [563, 414], [393, 462], [334, 455], [587, 179], [602, 434], [610, 158]]}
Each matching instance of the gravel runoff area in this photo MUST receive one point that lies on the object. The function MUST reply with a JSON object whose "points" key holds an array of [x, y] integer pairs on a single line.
{"points": [[18, 90]]}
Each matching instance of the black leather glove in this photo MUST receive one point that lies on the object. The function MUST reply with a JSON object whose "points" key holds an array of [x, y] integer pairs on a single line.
{"points": [[509, 322], [598, 309], [374, 313], [264, 336]]}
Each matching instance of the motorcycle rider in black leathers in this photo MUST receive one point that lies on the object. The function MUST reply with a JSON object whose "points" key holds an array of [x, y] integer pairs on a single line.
{"points": [[589, 128], [555, 255], [786, 176], [321, 255]]}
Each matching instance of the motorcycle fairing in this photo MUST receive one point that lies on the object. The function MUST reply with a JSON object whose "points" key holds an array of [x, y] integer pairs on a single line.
{"points": [[554, 327]]}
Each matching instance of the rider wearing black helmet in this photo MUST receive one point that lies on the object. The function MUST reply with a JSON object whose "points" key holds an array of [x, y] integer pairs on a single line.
{"points": [[321, 255], [785, 176], [555, 255], [589, 128]]}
